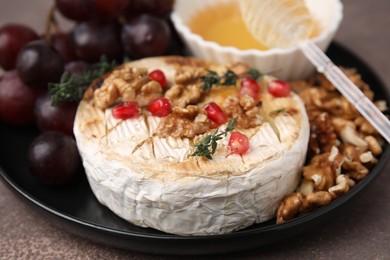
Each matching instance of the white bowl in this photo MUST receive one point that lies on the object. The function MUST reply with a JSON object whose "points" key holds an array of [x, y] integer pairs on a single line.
{"points": [[287, 64]]}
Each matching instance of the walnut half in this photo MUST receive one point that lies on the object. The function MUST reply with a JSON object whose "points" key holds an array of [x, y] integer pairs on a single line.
{"points": [[245, 109], [128, 84], [296, 203], [183, 95], [183, 122]]}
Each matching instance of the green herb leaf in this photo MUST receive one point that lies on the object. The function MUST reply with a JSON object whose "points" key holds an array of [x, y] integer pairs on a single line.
{"points": [[277, 111], [72, 88], [230, 126], [209, 80], [254, 74], [208, 145], [230, 78], [66, 90]]}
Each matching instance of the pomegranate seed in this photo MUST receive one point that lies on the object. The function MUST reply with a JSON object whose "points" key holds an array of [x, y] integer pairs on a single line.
{"points": [[126, 110], [250, 87], [160, 107], [238, 143], [213, 125], [159, 76], [215, 114], [279, 88]]}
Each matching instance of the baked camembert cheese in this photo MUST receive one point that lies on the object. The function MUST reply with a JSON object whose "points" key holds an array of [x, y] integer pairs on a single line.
{"points": [[189, 147]]}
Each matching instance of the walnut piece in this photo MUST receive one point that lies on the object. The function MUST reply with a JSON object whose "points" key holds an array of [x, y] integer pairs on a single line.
{"points": [[188, 75], [373, 145], [323, 97], [315, 200], [183, 122], [320, 172], [364, 126], [323, 136], [128, 84], [105, 97], [148, 92], [306, 187], [295, 203], [183, 95], [349, 135], [355, 170], [344, 183], [238, 68], [367, 157], [289, 207], [245, 109]]}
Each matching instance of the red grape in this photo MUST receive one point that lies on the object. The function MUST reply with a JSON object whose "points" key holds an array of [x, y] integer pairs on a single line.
{"points": [[55, 118], [155, 7], [53, 158], [93, 39], [16, 100], [12, 38], [105, 9], [146, 36], [77, 68], [63, 43], [73, 9], [38, 64]]}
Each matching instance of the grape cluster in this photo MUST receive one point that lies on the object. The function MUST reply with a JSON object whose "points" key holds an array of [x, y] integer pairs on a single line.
{"points": [[114, 29]]}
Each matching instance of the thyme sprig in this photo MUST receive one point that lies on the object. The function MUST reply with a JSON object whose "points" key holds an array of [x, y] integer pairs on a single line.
{"points": [[207, 146], [72, 87], [229, 78], [254, 74], [209, 80]]}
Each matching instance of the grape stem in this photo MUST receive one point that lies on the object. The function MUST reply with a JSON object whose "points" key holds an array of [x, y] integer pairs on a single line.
{"points": [[51, 22]]}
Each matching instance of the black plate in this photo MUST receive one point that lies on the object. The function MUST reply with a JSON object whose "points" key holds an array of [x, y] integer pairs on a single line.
{"points": [[75, 208]]}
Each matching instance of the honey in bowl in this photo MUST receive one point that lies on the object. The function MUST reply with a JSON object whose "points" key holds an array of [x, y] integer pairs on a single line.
{"points": [[222, 23]]}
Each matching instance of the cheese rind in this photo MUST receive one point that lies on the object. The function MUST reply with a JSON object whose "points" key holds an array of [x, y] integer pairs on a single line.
{"points": [[154, 182]]}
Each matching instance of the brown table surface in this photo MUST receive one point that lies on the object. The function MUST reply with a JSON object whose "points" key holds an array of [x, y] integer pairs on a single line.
{"points": [[360, 231]]}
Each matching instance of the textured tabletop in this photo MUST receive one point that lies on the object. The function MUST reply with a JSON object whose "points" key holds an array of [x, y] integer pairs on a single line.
{"points": [[360, 231]]}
